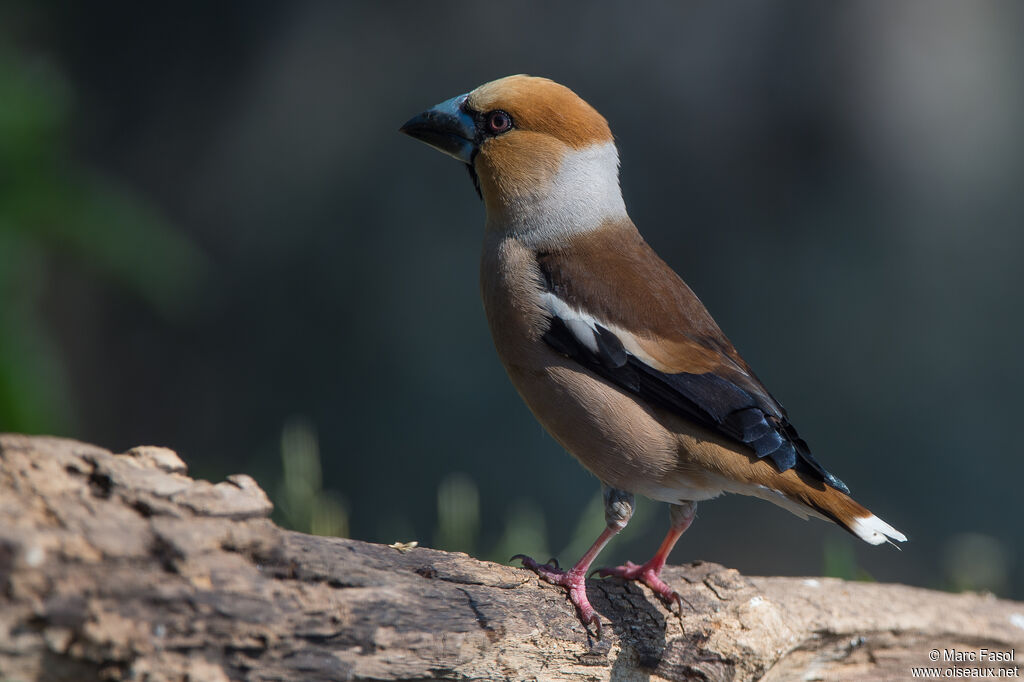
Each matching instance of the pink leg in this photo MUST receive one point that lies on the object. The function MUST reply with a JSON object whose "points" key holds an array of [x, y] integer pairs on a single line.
{"points": [[650, 573], [618, 510]]}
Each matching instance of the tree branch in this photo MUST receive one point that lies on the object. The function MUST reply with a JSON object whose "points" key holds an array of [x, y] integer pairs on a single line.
{"points": [[121, 567]]}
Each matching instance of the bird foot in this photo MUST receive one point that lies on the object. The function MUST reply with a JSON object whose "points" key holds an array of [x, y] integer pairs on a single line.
{"points": [[573, 581], [648, 574]]}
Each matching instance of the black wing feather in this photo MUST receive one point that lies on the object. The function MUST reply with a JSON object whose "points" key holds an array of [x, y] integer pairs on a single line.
{"points": [[707, 399]]}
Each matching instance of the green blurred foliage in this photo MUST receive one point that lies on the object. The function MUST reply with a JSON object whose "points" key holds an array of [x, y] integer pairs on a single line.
{"points": [[840, 561], [976, 562], [458, 514], [525, 531], [302, 502], [54, 211]]}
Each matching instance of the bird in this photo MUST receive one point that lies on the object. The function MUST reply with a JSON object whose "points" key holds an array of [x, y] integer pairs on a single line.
{"points": [[611, 351]]}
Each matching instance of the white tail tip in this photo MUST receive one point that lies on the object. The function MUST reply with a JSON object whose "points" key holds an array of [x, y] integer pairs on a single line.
{"points": [[876, 531]]}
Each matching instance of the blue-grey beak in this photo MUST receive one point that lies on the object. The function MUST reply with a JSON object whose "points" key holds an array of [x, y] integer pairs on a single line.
{"points": [[447, 128]]}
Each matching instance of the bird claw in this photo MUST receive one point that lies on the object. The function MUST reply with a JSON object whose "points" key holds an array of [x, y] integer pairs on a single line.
{"points": [[596, 622], [572, 581], [541, 569], [647, 575]]}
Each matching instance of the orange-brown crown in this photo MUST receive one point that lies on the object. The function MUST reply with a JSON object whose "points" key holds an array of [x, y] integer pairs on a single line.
{"points": [[543, 106]]}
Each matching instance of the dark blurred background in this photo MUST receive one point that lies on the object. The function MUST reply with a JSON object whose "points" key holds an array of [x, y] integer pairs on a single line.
{"points": [[213, 238]]}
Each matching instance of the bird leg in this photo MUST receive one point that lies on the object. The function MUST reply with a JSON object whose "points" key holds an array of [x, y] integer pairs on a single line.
{"points": [[618, 508], [650, 573]]}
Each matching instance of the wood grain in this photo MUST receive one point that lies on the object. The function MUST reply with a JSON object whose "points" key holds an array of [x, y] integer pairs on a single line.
{"points": [[121, 567]]}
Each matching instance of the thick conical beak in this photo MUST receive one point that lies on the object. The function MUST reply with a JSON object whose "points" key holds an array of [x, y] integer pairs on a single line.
{"points": [[447, 128]]}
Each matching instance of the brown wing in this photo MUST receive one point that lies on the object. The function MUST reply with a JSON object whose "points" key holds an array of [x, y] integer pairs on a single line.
{"points": [[653, 337]]}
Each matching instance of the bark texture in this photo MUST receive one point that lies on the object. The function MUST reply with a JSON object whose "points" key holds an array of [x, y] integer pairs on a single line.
{"points": [[121, 567]]}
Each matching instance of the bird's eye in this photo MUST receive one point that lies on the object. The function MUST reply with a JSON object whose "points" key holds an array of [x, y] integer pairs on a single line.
{"points": [[498, 121]]}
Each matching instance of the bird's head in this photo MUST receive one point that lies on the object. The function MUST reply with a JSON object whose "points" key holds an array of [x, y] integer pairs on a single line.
{"points": [[540, 156]]}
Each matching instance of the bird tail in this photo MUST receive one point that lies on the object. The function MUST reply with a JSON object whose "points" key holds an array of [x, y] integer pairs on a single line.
{"points": [[803, 496], [845, 511], [802, 492]]}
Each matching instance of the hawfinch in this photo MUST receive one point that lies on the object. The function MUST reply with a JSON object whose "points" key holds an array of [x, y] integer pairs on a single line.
{"points": [[610, 349]]}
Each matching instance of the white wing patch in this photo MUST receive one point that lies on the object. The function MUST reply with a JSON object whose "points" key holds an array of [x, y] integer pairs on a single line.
{"points": [[584, 327]]}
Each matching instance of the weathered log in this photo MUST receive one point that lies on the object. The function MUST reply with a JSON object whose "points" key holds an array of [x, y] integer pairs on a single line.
{"points": [[122, 567]]}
